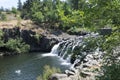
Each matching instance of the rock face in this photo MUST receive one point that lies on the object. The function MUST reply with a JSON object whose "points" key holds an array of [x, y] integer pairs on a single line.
{"points": [[37, 42], [38, 39], [105, 31]]}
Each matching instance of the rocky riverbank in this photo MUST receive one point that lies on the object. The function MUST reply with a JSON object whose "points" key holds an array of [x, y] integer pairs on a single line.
{"points": [[87, 70]]}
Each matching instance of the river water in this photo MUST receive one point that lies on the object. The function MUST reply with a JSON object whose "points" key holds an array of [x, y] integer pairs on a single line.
{"points": [[27, 66]]}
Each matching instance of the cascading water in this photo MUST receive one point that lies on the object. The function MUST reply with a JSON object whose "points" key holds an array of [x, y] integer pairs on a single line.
{"points": [[68, 49], [82, 54], [54, 51]]}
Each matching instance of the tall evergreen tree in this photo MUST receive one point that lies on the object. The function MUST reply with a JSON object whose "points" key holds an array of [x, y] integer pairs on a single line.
{"points": [[2, 9], [19, 5], [74, 4]]}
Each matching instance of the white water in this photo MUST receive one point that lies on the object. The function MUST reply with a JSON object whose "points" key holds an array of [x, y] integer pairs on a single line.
{"points": [[18, 71], [48, 54], [65, 49], [53, 52], [55, 49]]}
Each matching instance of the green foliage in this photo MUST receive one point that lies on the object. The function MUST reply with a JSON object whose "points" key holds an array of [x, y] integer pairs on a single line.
{"points": [[1, 40], [48, 71], [111, 64], [73, 13], [3, 17], [75, 19], [99, 13], [30, 7], [14, 11], [13, 45], [112, 40], [38, 17], [111, 72], [111, 43], [18, 20], [17, 46], [1, 9], [19, 5], [76, 14], [37, 37]]}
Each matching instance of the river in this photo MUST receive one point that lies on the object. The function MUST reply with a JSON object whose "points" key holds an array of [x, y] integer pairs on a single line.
{"points": [[27, 66]]}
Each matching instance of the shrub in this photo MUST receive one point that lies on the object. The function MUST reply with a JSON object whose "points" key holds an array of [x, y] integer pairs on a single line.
{"points": [[111, 72], [37, 37], [38, 17], [75, 19], [1, 41], [3, 17], [48, 71], [111, 64], [14, 11], [17, 46]]}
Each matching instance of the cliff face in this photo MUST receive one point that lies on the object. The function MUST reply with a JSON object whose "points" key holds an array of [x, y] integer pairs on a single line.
{"points": [[37, 42], [37, 37]]}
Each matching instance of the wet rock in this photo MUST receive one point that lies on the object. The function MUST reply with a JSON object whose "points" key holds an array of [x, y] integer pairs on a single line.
{"points": [[78, 33], [105, 31], [86, 73], [1, 54], [58, 76], [68, 72], [73, 70]]}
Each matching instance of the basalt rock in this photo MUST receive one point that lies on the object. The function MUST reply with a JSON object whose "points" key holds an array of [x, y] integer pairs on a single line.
{"points": [[58, 76], [40, 43], [105, 31]]}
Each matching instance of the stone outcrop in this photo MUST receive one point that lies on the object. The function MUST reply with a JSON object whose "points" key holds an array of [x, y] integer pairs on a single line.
{"points": [[86, 70], [37, 42], [105, 31]]}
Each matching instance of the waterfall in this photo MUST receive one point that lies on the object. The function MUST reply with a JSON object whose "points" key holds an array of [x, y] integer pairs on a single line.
{"points": [[55, 48], [53, 52], [74, 49], [64, 49]]}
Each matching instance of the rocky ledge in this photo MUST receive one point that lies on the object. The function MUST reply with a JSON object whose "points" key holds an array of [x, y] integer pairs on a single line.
{"points": [[37, 41], [87, 70]]}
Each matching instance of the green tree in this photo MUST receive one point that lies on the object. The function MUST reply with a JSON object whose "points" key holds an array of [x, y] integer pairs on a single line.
{"points": [[1, 9], [14, 11], [111, 64], [74, 4], [19, 5], [3, 17], [38, 17], [17, 46], [26, 11], [100, 13]]}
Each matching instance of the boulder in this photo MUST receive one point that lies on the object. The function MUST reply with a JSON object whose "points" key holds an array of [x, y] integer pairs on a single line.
{"points": [[105, 31], [58, 76], [68, 72]]}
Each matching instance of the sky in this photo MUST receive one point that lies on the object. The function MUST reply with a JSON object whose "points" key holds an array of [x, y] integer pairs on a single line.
{"points": [[9, 3]]}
